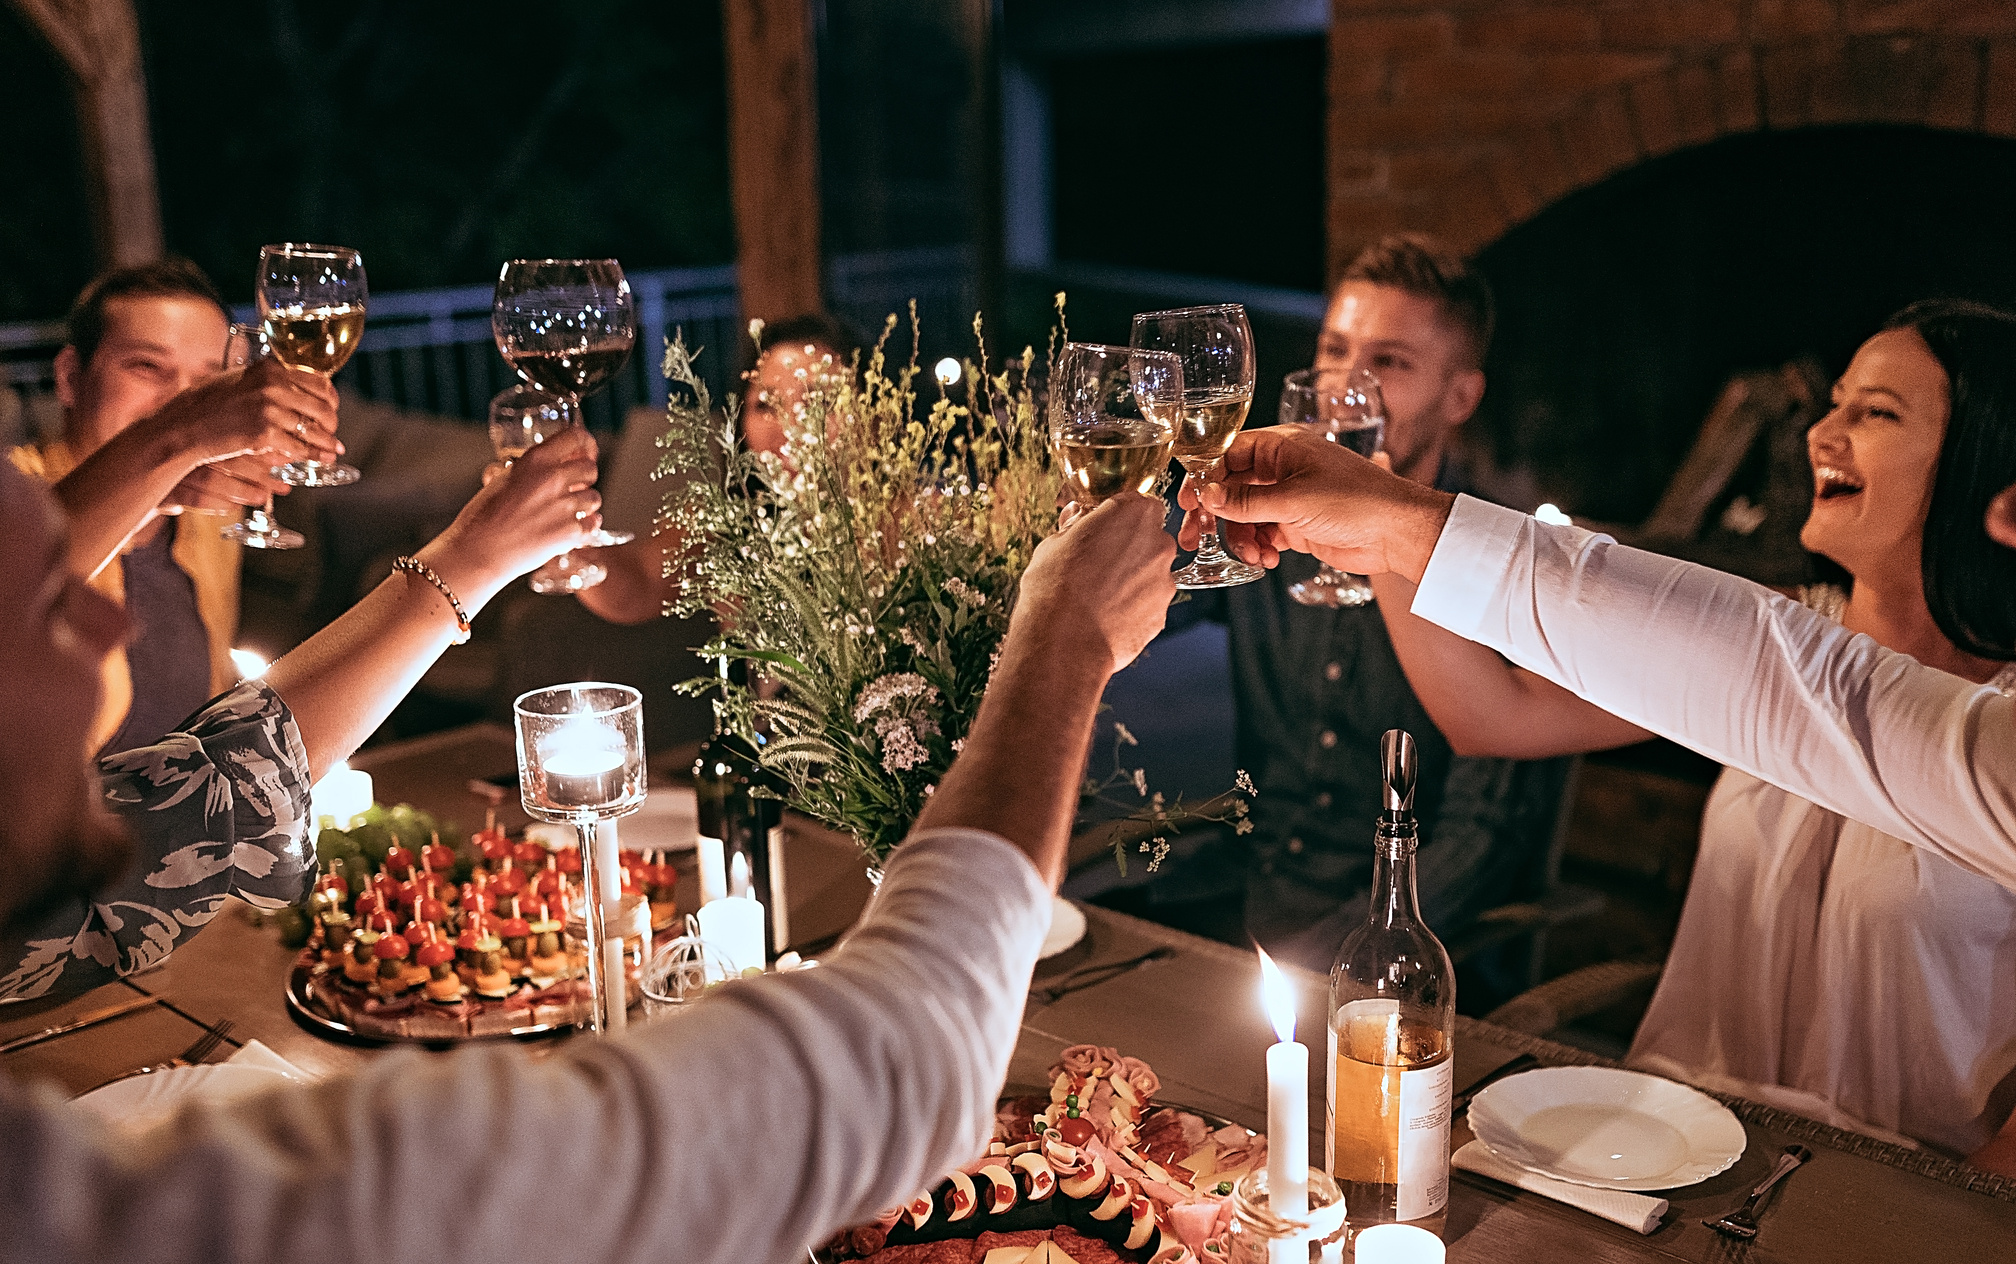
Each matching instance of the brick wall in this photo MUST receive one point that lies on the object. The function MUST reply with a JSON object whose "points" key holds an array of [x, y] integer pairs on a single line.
{"points": [[1466, 117]]}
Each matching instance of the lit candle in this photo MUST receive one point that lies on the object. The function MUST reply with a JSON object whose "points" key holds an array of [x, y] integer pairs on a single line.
{"points": [[583, 766], [343, 795], [1287, 1111], [607, 857], [734, 923], [1398, 1244]]}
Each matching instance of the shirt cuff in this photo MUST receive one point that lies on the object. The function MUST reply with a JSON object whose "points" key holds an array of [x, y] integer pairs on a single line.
{"points": [[994, 877], [1469, 564]]}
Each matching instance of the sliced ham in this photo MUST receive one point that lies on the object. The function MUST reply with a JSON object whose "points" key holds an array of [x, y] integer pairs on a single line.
{"points": [[1194, 1222]]}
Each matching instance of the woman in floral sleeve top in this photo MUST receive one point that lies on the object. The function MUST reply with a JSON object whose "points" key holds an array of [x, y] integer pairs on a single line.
{"points": [[220, 808]]}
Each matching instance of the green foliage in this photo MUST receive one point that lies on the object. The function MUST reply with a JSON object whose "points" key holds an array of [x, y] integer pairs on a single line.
{"points": [[872, 566]]}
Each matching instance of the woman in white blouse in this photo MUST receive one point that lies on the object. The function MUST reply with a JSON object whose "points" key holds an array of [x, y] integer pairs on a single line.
{"points": [[1821, 963]]}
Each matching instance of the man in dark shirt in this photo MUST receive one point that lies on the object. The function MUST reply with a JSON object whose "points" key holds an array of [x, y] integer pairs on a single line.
{"points": [[1315, 687]]}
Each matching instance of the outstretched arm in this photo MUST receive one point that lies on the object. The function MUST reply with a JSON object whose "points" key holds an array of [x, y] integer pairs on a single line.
{"points": [[1484, 704], [280, 414]]}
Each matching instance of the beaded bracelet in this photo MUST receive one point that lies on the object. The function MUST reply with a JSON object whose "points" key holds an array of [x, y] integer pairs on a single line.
{"points": [[414, 566]]}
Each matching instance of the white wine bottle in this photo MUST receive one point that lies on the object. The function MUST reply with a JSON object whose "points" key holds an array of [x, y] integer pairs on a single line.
{"points": [[1392, 1032]]}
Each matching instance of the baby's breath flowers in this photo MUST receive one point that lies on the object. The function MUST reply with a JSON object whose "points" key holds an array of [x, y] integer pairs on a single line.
{"points": [[867, 570]]}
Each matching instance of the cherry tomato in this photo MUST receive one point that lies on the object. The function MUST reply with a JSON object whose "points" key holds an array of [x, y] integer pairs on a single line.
{"points": [[1075, 1132]]}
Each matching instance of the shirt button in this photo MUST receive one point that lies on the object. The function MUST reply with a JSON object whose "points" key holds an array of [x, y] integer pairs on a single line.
{"points": [[1323, 799], [1326, 739], [1333, 672], [1294, 846]]}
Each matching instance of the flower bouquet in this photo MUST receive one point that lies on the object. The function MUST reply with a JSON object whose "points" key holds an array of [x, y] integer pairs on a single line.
{"points": [[867, 571]]}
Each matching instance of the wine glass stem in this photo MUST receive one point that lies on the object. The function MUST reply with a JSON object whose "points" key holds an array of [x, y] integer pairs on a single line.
{"points": [[1208, 549]]}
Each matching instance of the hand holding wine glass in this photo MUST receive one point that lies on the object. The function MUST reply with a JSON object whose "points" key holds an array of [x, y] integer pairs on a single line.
{"points": [[1215, 345], [565, 326], [311, 308], [1345, 407], [1112, 419]]}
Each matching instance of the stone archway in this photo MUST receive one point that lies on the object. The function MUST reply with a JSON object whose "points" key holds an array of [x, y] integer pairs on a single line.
{"points": [[1465, 118]]}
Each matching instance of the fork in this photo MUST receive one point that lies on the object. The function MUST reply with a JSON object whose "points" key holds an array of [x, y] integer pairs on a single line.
{"points": [[204, 1045], [1742, 1222], [1092, 976]]}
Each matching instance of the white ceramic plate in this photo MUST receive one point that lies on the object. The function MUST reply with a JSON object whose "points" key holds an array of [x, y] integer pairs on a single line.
{"points": [[139, 1102], [1067, 927], [1609, 1128]]}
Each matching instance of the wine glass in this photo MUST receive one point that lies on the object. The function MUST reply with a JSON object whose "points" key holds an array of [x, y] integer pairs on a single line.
{"points": [[1216, 347], [565, 326], [521, 417], [1112, 418], [1345, 407], [311, 303], [244, 345]]}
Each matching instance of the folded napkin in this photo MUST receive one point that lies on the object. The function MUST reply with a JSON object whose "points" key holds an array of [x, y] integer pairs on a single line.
{"points": [[1639, 1212], [255, 1054]]}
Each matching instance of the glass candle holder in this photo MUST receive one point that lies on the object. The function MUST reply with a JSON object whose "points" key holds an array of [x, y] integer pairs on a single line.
{"points": [[1258, 1236], [581, 762]]}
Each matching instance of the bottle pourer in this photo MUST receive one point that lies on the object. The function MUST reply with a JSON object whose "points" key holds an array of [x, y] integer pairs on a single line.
{"points": [[1399, 766]]}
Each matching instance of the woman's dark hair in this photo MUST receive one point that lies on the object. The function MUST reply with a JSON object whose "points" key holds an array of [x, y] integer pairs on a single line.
{"points": [[1970, 581]]}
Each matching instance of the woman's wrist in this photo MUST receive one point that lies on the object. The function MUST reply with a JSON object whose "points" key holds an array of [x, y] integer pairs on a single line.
{"points": [[473, 578]]}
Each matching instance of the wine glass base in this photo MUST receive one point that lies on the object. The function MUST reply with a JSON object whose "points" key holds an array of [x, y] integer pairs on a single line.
{"points": [[271, 538], [600, 539], [1338, 592], [567, 574], [1222, 572], [316, 474]]}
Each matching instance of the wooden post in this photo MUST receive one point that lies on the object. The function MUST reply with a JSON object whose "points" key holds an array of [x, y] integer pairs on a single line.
{"points": [[98, 42], [773, 156]]}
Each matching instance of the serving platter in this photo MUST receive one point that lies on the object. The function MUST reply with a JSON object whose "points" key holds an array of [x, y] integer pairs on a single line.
{"points": [[310, 1013]]}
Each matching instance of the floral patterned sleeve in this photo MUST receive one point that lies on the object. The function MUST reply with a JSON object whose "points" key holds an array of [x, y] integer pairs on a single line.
{"points": [[218, 809]]}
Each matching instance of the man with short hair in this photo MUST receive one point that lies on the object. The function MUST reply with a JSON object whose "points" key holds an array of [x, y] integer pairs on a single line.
{"points": [[150, 427], [1316, 687]]}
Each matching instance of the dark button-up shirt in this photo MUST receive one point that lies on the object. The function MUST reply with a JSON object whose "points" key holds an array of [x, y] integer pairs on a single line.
{"points": [[1315, 689]]}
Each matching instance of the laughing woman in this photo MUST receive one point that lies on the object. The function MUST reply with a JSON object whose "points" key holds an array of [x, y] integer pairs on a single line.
{"points": [[1821, 964]]}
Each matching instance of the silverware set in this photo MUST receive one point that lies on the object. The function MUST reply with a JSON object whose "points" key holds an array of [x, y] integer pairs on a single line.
{"points": [[203, 1046]]}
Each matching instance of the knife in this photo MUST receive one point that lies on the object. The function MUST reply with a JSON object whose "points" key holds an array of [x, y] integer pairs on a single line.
{"points": [[1524, 1062], [87, 1020]]}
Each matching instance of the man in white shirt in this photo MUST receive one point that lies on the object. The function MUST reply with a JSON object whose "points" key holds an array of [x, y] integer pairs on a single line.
{"points": [[779, 1111]]}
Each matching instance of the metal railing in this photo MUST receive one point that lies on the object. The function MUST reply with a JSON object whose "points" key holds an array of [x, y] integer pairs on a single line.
{"points": [[431, 350]]}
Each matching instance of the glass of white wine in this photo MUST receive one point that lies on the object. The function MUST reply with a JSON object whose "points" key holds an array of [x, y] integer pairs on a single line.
{"points": [[311, 306], [1345, 407], [521, 418], [1215, 345], [243, 346], [1113, 413]]}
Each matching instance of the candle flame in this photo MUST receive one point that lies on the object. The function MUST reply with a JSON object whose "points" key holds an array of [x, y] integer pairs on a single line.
{"points": [[1277, 996], [738, 875]]}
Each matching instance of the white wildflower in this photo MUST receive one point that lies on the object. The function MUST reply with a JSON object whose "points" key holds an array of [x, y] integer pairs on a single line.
{"points": [[1141, 782], [901, 751], [1244, 783], [911, 639], [1244, 825], [1125, 735], [965, 592], [885, 692], [958, 744]]}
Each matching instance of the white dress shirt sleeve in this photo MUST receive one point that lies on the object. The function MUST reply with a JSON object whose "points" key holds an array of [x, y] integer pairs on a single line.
{"points": [[777, 1112], [1741, 674]]}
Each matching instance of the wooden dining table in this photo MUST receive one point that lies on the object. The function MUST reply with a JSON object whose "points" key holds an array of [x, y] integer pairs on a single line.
{"points": [[1187, 1006]]}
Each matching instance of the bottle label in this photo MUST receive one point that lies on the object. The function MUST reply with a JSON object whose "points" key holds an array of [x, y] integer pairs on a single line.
{"points": [[1424, 1140], [1390, 1080]]}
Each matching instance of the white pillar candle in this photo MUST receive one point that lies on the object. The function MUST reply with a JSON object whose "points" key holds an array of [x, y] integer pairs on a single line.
{"points": [[1287, 1111], [713, 874], [733, 924], [343, 795], [1398, 1244]]}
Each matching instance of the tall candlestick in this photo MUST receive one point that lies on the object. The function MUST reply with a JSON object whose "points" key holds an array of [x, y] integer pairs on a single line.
{"points": [[1287, 1111], [713, 877]]}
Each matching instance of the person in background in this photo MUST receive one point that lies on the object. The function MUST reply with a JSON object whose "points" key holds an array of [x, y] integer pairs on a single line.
{"points": [[638, 586], [219, 806], [1314, 688], [712, 1139], [1846, 943], [151, 426]]}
